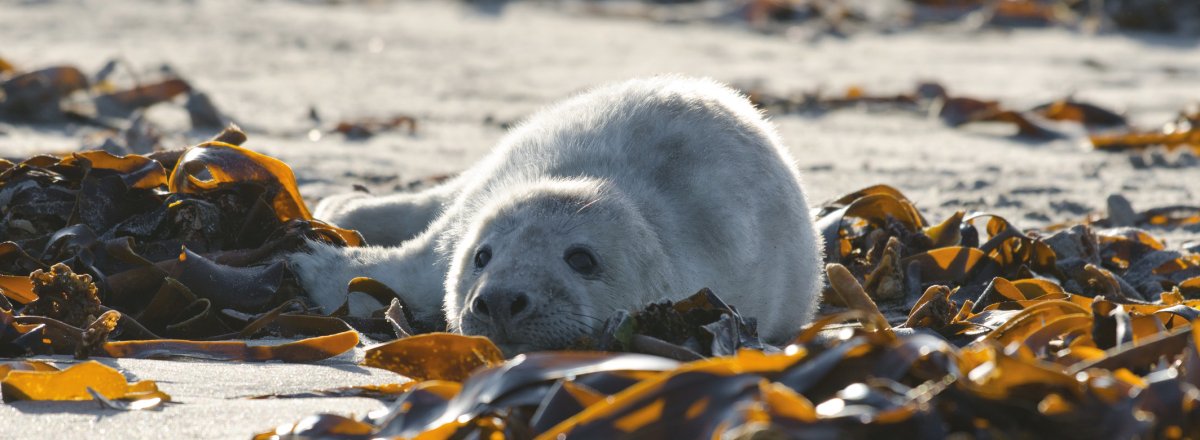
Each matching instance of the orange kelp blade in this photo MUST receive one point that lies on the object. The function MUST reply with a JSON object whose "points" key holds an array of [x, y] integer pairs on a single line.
{"points": [[1081, 112], [1140, 140], [951, 264], [6, 367], [227, 163], [490, 391], [389, 391], [73, 384], [691, 401], [416, 397], [435, 356], [143, 95], [19, 339], [327, 425], [136, 171], [877, 205], [17, 288], [305, 350]]}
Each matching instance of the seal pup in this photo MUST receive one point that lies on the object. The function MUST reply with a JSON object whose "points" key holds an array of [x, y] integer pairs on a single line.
{"points": [[630, 193]]}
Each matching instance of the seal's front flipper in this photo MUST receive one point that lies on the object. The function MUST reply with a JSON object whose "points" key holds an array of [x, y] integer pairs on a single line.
{"points": [[412, 272], [387, 220]]}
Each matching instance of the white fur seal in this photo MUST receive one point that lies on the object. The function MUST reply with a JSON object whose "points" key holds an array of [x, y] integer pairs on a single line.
{"points": [[630, 193]]}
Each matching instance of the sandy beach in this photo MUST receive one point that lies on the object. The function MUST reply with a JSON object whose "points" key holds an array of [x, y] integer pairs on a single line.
{"points": [[464, 75]]}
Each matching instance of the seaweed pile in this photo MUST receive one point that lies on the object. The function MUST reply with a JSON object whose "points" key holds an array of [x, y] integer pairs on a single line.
{"points": [[967, 326], [168, 254], [964, 327], [187, 253]]}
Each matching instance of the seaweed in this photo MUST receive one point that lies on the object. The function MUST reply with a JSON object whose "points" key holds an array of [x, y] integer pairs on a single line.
{"points": [[971, 328]]}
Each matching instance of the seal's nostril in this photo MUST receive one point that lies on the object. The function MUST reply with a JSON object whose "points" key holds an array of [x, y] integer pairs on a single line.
{"points": [[520, 301], [480, 306]]}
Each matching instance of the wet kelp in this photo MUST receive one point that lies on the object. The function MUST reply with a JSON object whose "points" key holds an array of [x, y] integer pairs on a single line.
{"points": [[967, 326], [159, 255], [91, 380]]}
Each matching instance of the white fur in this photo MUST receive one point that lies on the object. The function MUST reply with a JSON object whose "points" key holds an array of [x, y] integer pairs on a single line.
{"points": [[675, 183]]}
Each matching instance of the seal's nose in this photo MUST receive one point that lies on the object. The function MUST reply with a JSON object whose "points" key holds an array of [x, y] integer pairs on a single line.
{"points": [[501, 307]]}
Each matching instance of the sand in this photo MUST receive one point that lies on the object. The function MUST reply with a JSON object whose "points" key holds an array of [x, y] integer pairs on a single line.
{"points": [[465, 74], [209, 400]]}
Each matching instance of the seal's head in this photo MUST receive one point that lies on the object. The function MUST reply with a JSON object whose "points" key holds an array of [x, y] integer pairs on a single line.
{"points": [[542, 267]]}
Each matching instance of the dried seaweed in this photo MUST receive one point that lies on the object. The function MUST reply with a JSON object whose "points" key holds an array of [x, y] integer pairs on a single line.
{"points": [[366, 128], [1181, 133], [36, 95], [844, 17], [953, 110], [63, 93]]}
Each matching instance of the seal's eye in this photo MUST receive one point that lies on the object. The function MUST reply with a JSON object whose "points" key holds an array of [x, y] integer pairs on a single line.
{"points": [[482, 257], [581, 260]]}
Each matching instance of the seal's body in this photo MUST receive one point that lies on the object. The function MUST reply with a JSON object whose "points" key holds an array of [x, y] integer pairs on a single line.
{"points": [[635, 192]]}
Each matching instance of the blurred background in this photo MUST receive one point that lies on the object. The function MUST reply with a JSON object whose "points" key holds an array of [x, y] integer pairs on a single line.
{"points": [[962, 104]]}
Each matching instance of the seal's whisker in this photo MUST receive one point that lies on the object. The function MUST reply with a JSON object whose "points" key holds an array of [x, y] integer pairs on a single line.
{"points": [[587, 316], [580, 322], [576, 320], [577, 224]]}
